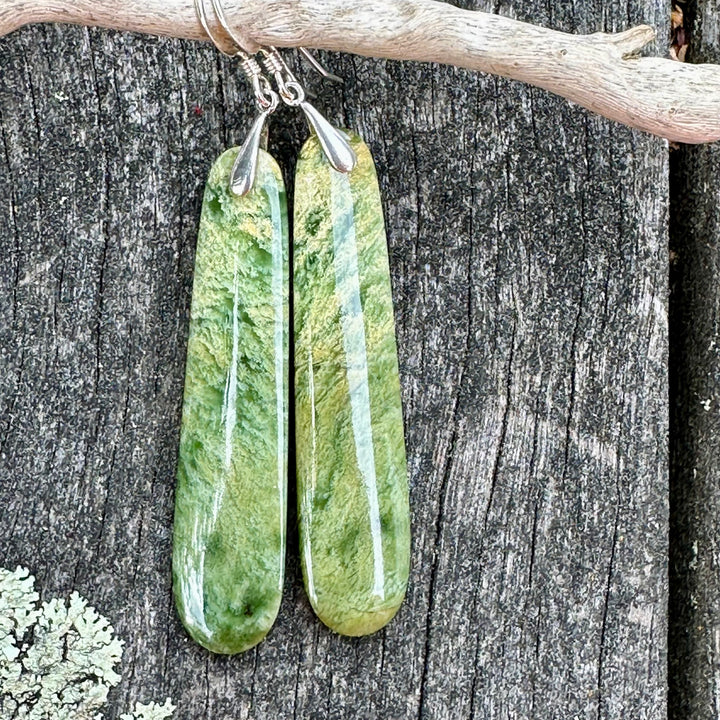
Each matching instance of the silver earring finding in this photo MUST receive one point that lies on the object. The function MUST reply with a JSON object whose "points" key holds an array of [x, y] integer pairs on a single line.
{"points": [[334, 142], [242, 175]]}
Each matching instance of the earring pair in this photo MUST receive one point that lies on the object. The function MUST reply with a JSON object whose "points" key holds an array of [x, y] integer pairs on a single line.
{"points": [[229, 533]]}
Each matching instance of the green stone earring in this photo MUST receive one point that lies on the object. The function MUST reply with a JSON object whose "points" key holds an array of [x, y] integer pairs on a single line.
{"points": [[349, 442], [230, 503], [230, 506], [351, 468]]}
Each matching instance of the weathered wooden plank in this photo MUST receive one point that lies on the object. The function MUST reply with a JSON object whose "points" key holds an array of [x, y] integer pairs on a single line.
{"points": [[528, 253], [694, 672]]}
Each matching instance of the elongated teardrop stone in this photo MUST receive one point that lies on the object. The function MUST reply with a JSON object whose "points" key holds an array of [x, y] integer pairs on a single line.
{"points": [[230, 502], [351, 467]]}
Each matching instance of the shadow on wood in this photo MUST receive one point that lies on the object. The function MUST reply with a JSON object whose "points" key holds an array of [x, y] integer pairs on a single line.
{"points": [[695, 411], [528, 252]]}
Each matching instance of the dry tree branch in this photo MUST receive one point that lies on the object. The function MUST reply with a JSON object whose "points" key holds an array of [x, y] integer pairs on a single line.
{"points": [[602, 72]]}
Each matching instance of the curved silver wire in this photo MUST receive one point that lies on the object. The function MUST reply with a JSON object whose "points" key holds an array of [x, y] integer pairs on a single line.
{"points": [[222, 19], [315, 64], [266, 98], [244, 169], [291, 91], [334, 142], [202, 17]]}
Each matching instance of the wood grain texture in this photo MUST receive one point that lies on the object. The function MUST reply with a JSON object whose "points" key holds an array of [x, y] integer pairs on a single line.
{"points": [[528, 256], [695, 410], [600, 71]]}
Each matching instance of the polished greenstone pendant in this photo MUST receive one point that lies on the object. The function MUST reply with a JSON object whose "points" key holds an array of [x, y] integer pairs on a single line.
{"points": [[230, 503], [351, 467]]}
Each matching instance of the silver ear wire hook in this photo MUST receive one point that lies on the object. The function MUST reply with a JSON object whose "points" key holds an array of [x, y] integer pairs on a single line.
{"points": [[315, 64], [334, 142], [244, 169], [202, 17], [265, 96], [222, 19], [291, 91]]}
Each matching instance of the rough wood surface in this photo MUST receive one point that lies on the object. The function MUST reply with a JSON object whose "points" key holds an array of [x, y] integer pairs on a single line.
{"points": [[528, 254], [695, 410], [599, 71]]}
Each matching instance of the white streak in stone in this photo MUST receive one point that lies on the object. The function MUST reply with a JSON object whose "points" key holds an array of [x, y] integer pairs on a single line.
{"points": [[347, 280], [229, 411], [306, 515], [279, 347], [193, 564]]}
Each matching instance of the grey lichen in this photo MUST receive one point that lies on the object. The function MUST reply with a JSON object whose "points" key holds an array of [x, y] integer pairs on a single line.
{"points": [[57, 659], [153, 711]]}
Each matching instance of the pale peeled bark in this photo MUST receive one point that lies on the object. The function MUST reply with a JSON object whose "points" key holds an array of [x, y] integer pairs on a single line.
{"points": [[676, 101]]}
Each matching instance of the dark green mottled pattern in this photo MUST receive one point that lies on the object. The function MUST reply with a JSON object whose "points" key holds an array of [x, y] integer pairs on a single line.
{"points": [[230, 504], [351, 468]]}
